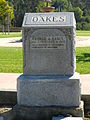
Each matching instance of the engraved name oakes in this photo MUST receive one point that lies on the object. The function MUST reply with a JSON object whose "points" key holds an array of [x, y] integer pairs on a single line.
{"points": [[48, 19]]}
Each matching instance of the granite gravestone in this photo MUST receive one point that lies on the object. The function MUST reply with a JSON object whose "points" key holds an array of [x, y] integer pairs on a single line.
{"points": [[49, 61], [49, 44]]}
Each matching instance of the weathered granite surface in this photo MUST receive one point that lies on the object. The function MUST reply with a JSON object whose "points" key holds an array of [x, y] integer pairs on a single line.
{"points": [[47, 112], [49, 90], [1, 118], [49, 19], [49, 44], [49, 61]]}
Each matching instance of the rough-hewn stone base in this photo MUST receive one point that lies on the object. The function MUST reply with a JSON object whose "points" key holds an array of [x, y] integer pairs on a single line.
{"points": [[49, 90], [46, 113]]}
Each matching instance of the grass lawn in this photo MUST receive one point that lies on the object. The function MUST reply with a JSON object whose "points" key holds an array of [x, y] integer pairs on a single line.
{"points": [[19, 34], [82, 33], [12, 34], [11, 60], [83, 60]]}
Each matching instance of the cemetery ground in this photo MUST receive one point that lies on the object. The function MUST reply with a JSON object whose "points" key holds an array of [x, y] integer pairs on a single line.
{"points": [[10, 35], [82, 33], [11, 55], [11, 62]]}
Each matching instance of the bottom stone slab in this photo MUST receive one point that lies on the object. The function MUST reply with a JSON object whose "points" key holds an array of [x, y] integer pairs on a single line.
{"points": [[46, 113], [67, 118], [49, 90]]}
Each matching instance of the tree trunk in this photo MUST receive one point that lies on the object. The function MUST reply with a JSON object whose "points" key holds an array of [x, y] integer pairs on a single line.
{"points": [[3, 29], [8, 24]]}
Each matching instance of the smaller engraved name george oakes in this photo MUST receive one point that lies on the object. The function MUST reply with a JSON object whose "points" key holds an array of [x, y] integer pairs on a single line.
{"points": [[42, 18]]}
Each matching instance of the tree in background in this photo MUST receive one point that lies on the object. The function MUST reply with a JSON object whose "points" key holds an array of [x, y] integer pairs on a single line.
{"points": [[81, 8], [6, 14], [40, 5], [21, 7], [78, 13], [60, 5]]}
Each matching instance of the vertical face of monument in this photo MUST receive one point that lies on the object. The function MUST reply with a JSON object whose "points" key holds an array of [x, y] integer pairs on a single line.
{"points": [[49, 44]]}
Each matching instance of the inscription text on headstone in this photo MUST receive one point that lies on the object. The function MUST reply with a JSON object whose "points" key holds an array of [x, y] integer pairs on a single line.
{"points": [[48, 19], [55, 42]]}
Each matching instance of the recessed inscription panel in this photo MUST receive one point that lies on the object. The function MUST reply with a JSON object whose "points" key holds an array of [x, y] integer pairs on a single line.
{"points": [[47, 52], [55, 42]]}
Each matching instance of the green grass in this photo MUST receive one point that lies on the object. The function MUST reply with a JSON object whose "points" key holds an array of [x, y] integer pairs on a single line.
{"points": [[83, 60], [11, 60], [19, 34], [12, 34], [82, 33]]}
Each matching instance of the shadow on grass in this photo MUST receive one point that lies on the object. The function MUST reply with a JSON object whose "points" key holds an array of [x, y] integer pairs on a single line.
{"points": [[85, 57], [17, 41]]}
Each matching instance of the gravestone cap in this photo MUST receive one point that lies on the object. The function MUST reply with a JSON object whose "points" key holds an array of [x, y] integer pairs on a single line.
{"points": [[49, 19]]}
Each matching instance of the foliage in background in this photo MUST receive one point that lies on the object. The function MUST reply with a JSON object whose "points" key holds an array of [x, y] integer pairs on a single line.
{"points": [[6, 12], [60, 5], [78, 13], [81, 8], [40, 6], [21, 7]]}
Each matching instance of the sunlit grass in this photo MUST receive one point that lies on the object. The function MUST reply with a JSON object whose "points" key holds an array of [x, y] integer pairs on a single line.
{"points": [[82, 33], [11, 60], [10, 35], [83, 60]]}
